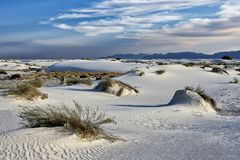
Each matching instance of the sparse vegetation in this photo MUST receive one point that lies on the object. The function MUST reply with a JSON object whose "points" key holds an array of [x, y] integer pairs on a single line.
{"points": [[37, 83], [114, 86], [159, 72], [3, 72], [219, 70], [27, 92], [204, 95], [15, 76], [83, 121], [137, 72], [141, 73], [205, 65], [79, 81], [161, 63], [189, 64]]}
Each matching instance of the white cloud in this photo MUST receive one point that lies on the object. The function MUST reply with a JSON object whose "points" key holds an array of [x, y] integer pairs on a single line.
{"points": [[230, 9], [63, 26], [148, 21]]}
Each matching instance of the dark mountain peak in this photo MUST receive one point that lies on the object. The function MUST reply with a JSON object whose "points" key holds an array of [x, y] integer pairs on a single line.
{"points": [[178, 55]]}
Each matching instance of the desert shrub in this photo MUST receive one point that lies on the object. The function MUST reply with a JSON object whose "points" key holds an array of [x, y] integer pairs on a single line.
{"points": [[84, 76], [27, 92], [205, 65], [204, 95], [235, 80], [161, 63], [15, 76], [27, 64], [83, 121], [3, 72], [227, 57], [219, 70], [98, 78], [141, 73], [37, 83], [79, 81], [161, 71], [137, 72], [189, 64]]}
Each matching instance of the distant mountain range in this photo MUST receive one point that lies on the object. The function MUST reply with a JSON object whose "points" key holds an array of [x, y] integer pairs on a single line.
{"points": [[178, 55]]}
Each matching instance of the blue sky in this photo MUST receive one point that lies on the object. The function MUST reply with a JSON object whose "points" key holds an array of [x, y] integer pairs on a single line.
{"points": [[80, 28]]}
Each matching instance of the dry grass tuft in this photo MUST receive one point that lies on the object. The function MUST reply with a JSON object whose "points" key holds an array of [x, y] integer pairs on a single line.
{"points": [[204, 95], [189, 64], [27, 92], [108, 83], [83, 121], [3, 72], [137, 72], [37, 83], [79, 81], [159, 72], [15, 76], [142, 73], [219, 70]]}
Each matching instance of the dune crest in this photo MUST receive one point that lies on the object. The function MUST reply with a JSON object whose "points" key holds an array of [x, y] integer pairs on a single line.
{"points": [[187, 97]]}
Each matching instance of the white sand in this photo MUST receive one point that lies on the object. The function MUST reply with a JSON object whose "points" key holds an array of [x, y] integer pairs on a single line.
{"points": [[153, 129]]}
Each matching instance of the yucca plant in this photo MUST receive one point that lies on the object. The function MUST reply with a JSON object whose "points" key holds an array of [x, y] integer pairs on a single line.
{"points": [[83, 121]]}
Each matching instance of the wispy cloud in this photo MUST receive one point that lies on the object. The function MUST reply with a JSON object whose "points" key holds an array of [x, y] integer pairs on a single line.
{"points": [[155, 21], [129, 16]]}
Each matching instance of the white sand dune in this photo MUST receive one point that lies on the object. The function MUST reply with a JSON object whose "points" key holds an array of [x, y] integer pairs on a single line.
{"points": [[153, 129], [92, 66], [187, 97]]}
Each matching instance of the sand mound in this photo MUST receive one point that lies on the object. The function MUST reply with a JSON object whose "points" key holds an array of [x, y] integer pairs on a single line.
{"points": [[91, 66], [219, 70], [136, 72], [115, 87], [187, 97]]}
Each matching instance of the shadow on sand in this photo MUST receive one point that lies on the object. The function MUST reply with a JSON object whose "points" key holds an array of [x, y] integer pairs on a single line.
{"points": [[142, 106], [78, 89]]}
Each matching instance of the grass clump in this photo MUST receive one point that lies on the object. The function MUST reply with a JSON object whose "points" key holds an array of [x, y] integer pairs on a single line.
{"points": [[204, 95], [15, 76], [142, 73], [115, 87], [83, 121], [79, 81], [137, 72], [3, 72], [37, 83], [159, 72], [26, 91], [189, 64], [219, 70]]}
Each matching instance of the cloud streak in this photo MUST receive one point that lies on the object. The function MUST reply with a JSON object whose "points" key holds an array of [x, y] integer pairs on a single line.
{"points": [[113, 26], [131, 18]]}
